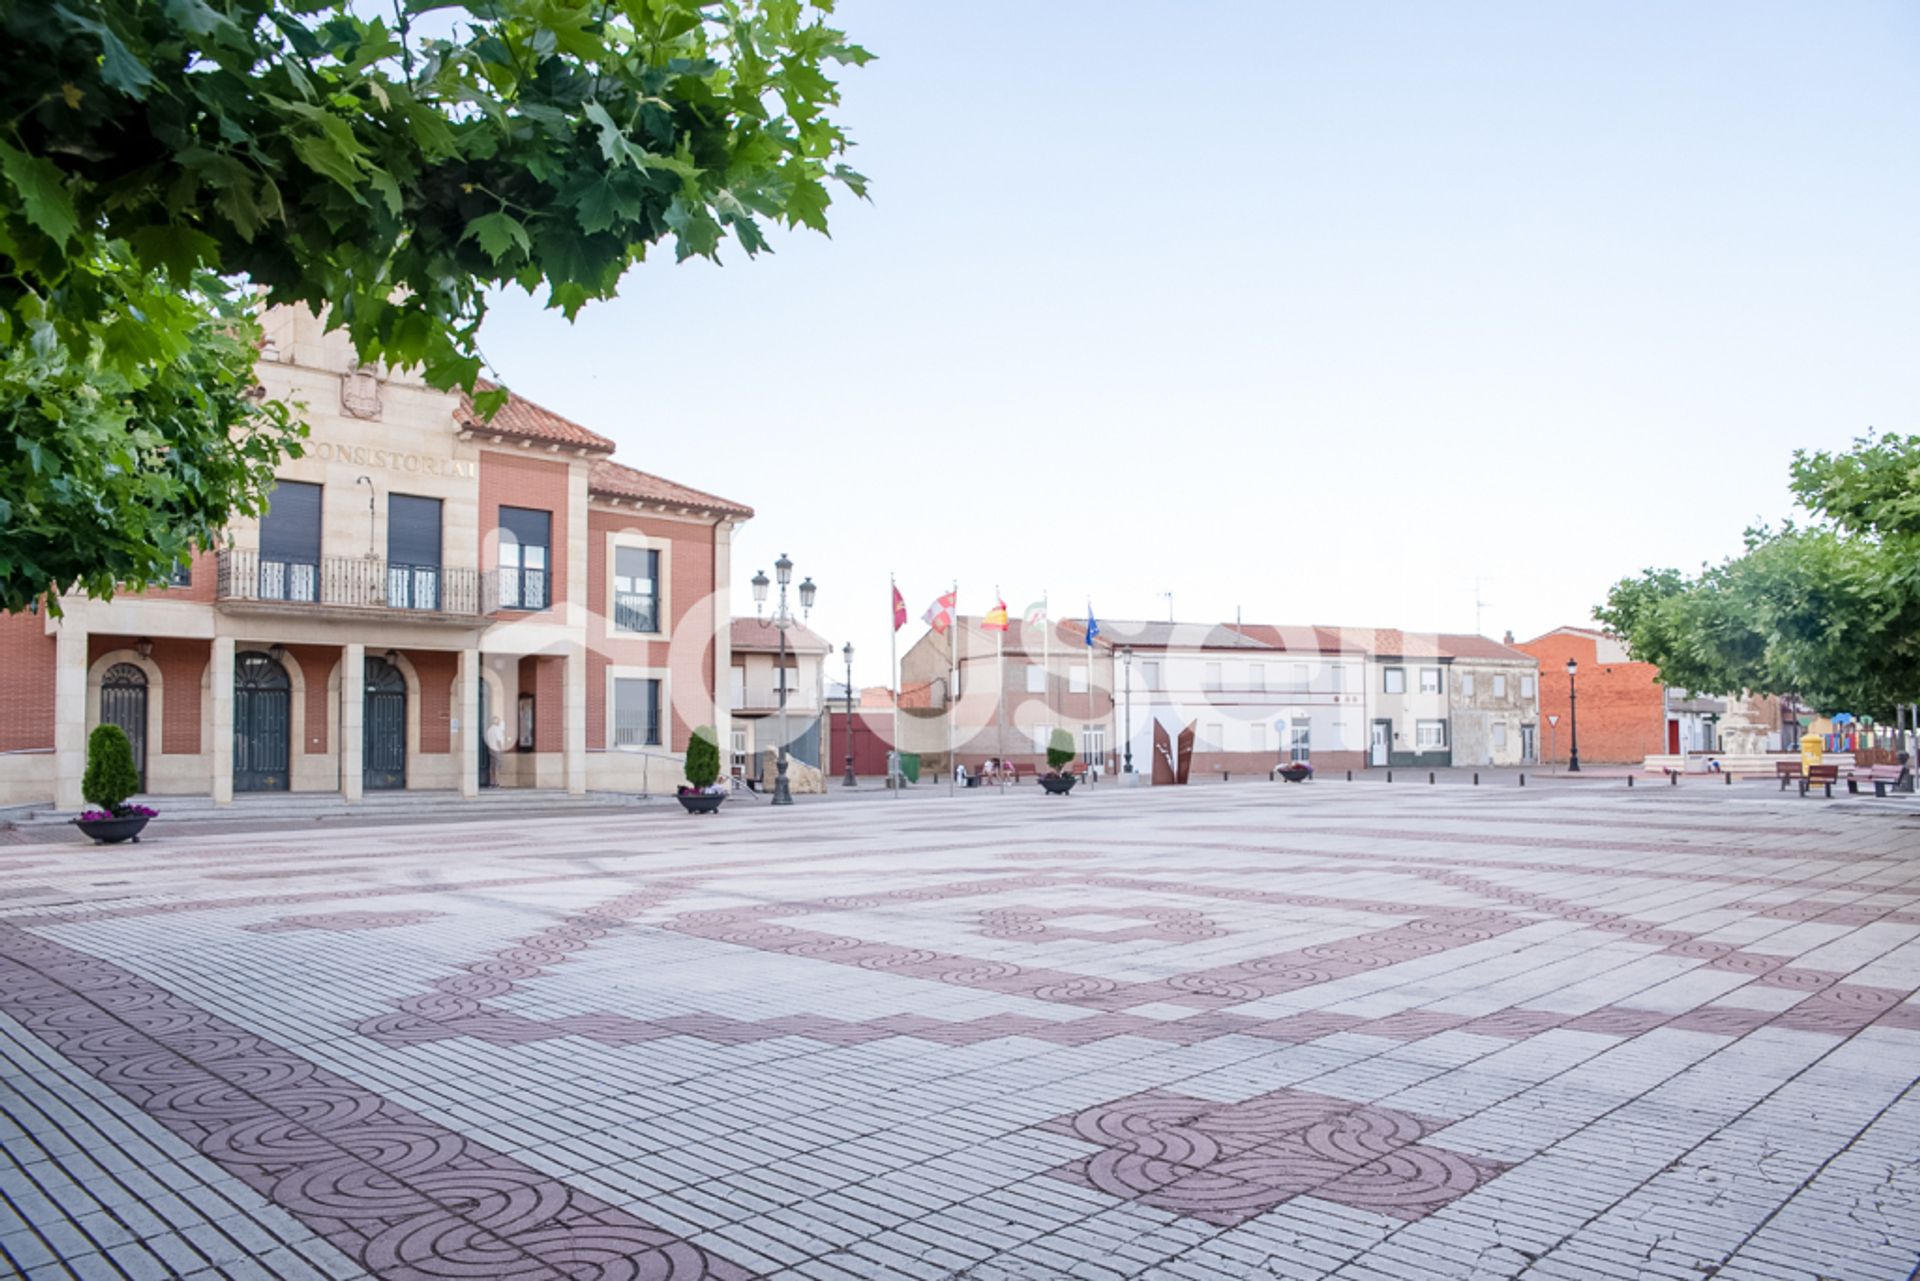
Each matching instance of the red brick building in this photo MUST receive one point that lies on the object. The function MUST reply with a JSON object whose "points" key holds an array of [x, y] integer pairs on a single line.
{"points": [[420, 574], [1623, 705]]}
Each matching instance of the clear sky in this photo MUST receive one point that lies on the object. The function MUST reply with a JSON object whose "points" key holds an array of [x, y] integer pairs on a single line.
{"points": [[1314, 311]]}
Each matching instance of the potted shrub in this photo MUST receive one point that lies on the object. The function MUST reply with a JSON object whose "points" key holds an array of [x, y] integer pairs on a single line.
{"points": [[1059, 755], [1296, 771], [703, 790], [110, 779]]}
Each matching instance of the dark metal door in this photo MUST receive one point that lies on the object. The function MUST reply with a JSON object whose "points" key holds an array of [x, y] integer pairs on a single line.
{"points": [[385, 750], [123, 702], [262, 724], [485, 719]]}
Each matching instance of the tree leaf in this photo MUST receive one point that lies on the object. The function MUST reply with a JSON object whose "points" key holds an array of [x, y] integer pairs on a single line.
{"points": [[498, 232], [176, 248], [43, 195]]}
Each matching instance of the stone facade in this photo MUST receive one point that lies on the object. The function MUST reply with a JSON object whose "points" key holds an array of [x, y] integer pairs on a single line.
{"points": [[475, 628]]}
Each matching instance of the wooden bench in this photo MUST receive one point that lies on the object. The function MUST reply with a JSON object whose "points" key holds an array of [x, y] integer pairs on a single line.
{"points": [[1885, 778], [1788, 771], [1822, 776]]}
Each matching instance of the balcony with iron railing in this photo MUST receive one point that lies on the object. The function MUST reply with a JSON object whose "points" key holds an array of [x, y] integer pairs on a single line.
{"points": [[250, 578]]}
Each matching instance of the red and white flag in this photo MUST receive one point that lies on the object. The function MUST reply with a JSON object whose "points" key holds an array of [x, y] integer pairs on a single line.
{"points": [[899, 610], [939, 615]]}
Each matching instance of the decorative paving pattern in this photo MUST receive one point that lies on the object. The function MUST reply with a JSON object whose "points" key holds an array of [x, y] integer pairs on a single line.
{"points": [[405, 1197], [1227, 1162], [1329, 1031], [341, 922]]}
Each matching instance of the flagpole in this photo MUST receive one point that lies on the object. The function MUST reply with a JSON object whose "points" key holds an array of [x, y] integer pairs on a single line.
{"points": [[1046, 654], [953, 670], [1000, 661], [899, 779]]}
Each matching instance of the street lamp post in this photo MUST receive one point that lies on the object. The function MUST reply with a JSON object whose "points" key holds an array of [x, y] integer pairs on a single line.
{"points": [[782, 619], [1573, 720], [1126, 656], [846, 652]]}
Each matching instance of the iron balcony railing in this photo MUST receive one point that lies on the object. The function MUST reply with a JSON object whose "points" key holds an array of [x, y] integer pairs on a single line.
{"points": [[634, 612], [348, 582], [517, 589]]}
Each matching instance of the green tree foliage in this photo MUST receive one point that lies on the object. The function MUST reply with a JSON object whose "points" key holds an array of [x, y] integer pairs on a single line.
{"points": [[160, 162], [111, 776], [1828, 610], [703, 757], [1059, 749]]}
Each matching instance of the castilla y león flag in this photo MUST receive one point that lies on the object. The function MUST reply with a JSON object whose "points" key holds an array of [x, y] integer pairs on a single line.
{"points": [[899, 610]]}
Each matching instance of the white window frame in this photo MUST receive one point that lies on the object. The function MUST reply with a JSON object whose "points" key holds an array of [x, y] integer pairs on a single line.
{"points": [[1464, 684], [1036, 679], [1300, 739], [1257, 736], [1499, 736], [1526, 687], [1093, 744], [1257, 677], [1420, 742], [663, 590], [1077, 679], [1042, 738], [1439, 681], [1387, 681], [1213, 677], [1216, 735], [1150, 673], [615, 674], [1499, 685]]}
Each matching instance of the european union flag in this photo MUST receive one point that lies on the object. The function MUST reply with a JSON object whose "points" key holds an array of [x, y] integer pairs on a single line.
{"points": [[1093, 627]]}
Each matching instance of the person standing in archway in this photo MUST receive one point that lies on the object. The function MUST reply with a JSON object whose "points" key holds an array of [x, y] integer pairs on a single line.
{"points": [[496, 738]]}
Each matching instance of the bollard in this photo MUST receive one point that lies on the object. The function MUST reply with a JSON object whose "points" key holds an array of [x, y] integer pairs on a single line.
{"points": [[1389, 776], [1728, 775], [1429, 776], [1523, 780], [1349, 776], [1629, 780], [1476, 778], [1673, 778]]}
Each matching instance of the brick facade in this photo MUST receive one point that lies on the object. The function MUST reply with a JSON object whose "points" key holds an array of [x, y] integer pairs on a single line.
{"points": [[520, 480], [26, 696], [1623, 716]]}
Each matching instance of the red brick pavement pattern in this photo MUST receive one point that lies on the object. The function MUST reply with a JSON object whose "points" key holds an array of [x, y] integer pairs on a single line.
{"points": [[1224, 1163], [403, 1196]]}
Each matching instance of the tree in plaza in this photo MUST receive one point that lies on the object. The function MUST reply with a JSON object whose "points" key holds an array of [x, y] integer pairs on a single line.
{"points": [[1828, 609], [168, 169]]}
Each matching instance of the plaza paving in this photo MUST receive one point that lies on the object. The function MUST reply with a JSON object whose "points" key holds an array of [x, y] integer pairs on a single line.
{"points": [[1342, 1030]]}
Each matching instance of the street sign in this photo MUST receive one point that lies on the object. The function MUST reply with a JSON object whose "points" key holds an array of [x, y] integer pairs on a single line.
{"points": [[1553, 720]]}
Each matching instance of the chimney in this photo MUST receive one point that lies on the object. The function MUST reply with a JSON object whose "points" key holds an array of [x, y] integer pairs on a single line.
{"points": [[1508, 639]]}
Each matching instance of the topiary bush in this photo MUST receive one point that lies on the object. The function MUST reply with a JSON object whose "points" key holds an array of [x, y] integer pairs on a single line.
{"points": [[1059, 750], [111, 775], [703, 758]]}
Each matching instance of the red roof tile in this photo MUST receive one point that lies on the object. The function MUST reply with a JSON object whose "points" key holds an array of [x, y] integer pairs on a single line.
{"points": [[616, 480], [521, 419], [750, 635]]}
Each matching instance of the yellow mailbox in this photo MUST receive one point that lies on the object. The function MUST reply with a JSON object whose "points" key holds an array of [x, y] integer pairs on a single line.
{"points": [[1810, 750]]}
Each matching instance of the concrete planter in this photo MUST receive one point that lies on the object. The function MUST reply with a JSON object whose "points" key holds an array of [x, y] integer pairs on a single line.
{"points": [[701, 802], [112, 831]]}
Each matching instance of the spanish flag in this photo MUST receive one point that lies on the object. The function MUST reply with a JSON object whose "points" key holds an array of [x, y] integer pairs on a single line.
{"points": [[996, 620]]}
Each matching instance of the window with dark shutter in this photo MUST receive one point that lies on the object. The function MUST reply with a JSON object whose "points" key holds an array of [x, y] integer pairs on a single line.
{"points": [[413, 552], [290, 542], [526, 535]]}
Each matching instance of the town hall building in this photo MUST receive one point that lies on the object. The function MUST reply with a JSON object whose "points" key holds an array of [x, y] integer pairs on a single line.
{"points": [[419, 576]]}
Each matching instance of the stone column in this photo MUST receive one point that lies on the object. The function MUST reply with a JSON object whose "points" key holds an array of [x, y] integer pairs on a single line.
{"points": [[722, 620], [472, 732], [353, 706], [69, 714], [220, 691], [574, 723]]}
